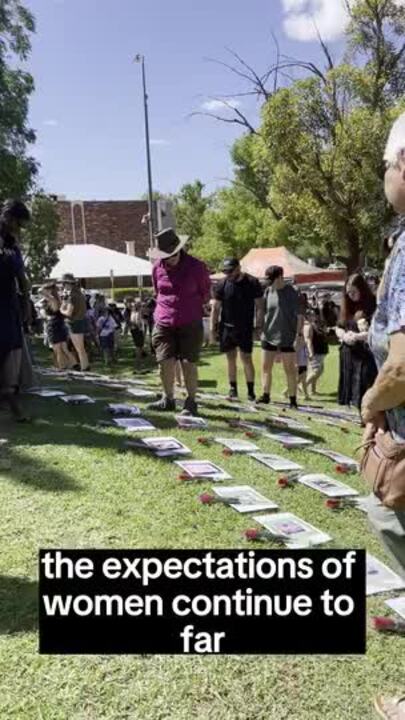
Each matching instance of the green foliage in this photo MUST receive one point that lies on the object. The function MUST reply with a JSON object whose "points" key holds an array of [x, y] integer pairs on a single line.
{"points": [[39, 240], [190, 208], [17, 169], [311, 177]]}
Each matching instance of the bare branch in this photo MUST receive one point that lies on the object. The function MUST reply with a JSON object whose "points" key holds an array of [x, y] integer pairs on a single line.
{"points": [[243, 122]]}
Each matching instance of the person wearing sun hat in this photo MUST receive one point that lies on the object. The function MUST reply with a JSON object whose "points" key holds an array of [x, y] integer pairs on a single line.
{"points": [[74, 310], [182, 287]]}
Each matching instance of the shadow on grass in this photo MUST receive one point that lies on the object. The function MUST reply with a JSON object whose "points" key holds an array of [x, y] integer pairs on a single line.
{"points": [[19, 605]]}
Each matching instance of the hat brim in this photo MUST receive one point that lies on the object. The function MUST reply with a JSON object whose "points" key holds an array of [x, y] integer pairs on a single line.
{"points": [[156, 254]]}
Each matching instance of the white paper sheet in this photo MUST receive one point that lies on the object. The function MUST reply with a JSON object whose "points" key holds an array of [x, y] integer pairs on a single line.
{"points": [[78, 400], [237, 446], [336, 457], [166, 446], [204, 469], [327, 486], [381, 578], [127, 410], [275, 462], [188, 422], [290, 441], [297, 532], [397, 604], [248, 499], [43, 392], [134, 424], [139, 393]]}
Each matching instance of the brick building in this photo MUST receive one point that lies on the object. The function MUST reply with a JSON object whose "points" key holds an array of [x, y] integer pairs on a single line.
{"points": [[111, 224]]}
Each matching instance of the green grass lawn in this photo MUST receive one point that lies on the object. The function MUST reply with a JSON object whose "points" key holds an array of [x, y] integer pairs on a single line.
{"points": [[70, 486]]}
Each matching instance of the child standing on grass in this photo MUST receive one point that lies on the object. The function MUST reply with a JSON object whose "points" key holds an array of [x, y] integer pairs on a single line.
{"points": [[106, 327]]}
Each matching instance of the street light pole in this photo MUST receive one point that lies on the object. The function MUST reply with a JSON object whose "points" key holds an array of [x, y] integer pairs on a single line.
{"points": [[151, 220]]}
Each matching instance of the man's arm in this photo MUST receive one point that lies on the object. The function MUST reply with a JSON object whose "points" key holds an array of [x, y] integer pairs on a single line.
{"points": [[388, 391], [215, 313], [308, 337], [259, 310]]}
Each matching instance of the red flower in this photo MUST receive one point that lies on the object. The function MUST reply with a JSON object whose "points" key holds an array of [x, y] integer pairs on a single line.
{"points": [[207, 499], [252, 534], [383, 624], [183, 476], [227, 452], [203, 441], [250, 434], [283, 482], [342, 469], [333, 504]]}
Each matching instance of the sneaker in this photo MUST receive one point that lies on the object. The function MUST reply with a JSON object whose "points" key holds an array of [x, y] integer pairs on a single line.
{"points": [[263, 400], [163, 405], [252, 397], [233, 394], [190, 407]]}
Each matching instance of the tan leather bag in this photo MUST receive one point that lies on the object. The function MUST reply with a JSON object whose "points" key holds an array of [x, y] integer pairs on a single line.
{"points": [[383, 467]]}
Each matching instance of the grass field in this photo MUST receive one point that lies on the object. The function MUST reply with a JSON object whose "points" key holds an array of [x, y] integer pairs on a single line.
{"points": [[70, 487]]}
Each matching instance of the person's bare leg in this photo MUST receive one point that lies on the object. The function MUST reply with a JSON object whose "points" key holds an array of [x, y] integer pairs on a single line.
{"points": [[78, 344], [60, 356], [231, 357], [248, 367], [167, 374], [268, 359], [302, 380], [290, 368], [190, 373], [70, 359]]}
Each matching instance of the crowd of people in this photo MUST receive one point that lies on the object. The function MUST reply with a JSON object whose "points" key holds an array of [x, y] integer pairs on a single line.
{"points": [[369, 326]]}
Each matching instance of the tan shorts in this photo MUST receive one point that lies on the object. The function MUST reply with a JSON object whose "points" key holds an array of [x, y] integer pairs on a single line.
{"points": [[180, 343]]}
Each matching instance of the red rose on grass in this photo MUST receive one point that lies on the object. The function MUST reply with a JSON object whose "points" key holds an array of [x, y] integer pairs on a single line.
{"points": [[342, 469], [252, 534], [383, 624], [227, 452], [207, 499], [183, 476], [203, 441], [333, 504], [283, 482]]}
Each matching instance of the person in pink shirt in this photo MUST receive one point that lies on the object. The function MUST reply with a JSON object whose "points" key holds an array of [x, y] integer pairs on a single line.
{"points": [[182, 288]]}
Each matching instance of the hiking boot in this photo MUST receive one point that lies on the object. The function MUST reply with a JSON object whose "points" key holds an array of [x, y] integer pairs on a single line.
{"points": [[190, 407], [233, 394], [263, 400], [164, 405], [252, 397]]}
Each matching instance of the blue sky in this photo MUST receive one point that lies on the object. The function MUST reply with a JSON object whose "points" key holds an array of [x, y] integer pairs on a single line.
{"points": [[87, 108]]}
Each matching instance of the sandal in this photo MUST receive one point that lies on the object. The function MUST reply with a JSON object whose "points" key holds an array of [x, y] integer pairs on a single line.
{"points": [[390, 708]]}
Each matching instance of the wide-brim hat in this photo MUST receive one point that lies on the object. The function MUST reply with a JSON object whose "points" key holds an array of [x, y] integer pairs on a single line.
{"points": [[69, 279], [168, 243]]}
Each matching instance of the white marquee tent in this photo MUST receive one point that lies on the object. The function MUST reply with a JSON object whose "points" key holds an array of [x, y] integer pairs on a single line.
{"points": [[92, 261]]}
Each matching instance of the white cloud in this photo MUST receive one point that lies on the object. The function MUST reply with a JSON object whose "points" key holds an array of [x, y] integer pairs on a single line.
{"points": [[215, 105], [51, 123], [159, 141], [305, 18]]}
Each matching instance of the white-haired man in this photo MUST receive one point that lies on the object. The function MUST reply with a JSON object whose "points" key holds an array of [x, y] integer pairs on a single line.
{"points": [[384, 404]]}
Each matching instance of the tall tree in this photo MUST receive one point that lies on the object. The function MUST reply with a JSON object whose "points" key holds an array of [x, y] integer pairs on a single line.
{"points": [[39, 240], [17, 168], [190, 208], [315, 161]]}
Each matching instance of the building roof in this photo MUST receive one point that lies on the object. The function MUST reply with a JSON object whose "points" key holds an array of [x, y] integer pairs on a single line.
{"points": [[92, 261]]}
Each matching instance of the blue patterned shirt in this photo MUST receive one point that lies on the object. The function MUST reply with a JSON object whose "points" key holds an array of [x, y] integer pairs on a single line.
{"points": [[389, 319]]}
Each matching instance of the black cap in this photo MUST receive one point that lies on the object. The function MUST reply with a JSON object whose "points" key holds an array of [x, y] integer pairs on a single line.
{"points": [[229, 265], [273, 273]]}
